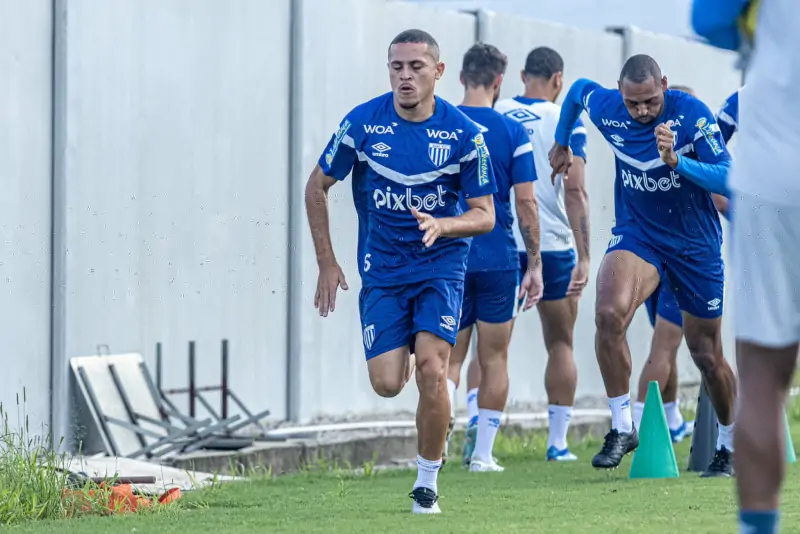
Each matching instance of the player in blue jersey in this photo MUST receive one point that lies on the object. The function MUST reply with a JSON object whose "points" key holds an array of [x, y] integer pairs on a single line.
{"points": [[413, 154], [493, 284], [670, 158], [665, 317]]}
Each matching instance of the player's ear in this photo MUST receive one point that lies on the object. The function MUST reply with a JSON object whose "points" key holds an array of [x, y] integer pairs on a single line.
{"points": [[522, 76], [558, 80], [439, 70], [664, 83], [498, 82]]}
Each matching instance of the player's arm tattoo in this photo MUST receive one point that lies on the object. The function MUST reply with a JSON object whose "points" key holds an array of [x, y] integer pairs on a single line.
{"points": [[528, 214], [317, 211], [576, 201]]}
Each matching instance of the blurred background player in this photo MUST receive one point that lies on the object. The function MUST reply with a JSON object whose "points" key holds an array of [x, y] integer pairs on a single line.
{"points": [[665, 316], [765, 233], [667, 228], [492, 284], [412, 280], [564, 224], [564, 221]]}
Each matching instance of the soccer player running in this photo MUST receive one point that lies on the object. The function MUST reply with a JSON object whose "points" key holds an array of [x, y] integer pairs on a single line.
{"points": [[665, 317], [669, 159], [765, 233], [493, 283], [413, 154], [564, 223]]}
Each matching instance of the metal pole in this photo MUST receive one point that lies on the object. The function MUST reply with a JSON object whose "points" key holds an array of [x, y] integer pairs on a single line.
{"points": [[191, 380], [158, 366], [224, 379], [704, 436]]}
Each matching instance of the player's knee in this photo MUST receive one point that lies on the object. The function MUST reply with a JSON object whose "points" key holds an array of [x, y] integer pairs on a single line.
{"points": [[610, 322], [431, 371], [705, 358], [387, 385]]}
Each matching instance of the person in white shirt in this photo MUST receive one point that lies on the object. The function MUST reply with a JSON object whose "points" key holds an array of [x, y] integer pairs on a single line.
{"points": [[563, 229]]}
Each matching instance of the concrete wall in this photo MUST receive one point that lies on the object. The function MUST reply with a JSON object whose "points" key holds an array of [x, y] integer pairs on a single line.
{"points": [[183, 135], [25, 207]]}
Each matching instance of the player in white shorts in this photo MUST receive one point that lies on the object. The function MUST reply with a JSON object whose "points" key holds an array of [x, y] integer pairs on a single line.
{"points": [[563, 229], [765, 234]]}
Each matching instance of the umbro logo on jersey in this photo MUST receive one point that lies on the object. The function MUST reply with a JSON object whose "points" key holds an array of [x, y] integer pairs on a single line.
{"points": [[713, 304], [522, 115], [448, 323], [617, 140], [381, 150]]}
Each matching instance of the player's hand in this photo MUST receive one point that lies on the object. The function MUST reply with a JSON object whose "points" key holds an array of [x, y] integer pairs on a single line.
{"points": [[330, 278], [560, 160], [579, 279], [428, 224], [531, 287], [665, 141]]}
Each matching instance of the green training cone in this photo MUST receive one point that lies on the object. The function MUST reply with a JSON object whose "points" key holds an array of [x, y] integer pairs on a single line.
{"points": [[655, 457], [791, 457]]}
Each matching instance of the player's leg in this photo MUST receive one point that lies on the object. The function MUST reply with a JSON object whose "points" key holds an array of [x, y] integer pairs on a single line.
{"points": [[766, 267], [496, 308], [558, 314], [436, 314], [459, 352], [698, 284], [628, 276], [661, 364]]}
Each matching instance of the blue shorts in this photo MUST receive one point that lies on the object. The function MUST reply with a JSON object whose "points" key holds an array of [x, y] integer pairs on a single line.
{"points": [[697, 281], [489, 297], [392, 316], [662, 303], [557, 268]]}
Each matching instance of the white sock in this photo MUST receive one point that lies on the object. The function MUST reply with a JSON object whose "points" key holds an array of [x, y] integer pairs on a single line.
{"points": [[427, 473], [674, 415], [638, 411], [488, 424], [559, 417], [472, 405], [451, 392], [725, 437], [621, 413]]}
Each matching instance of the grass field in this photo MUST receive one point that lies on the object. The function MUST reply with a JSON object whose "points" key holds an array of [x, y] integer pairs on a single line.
{"points": [[530, 496]]}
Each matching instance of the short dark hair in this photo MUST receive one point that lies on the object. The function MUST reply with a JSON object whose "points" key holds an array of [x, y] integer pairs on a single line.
{"points": [[482, 64], [640, 68], [543, 62], [417, 37]]}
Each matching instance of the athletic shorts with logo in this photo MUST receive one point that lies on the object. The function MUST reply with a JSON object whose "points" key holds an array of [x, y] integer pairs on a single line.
{"points": [[391, 317], [662, 303], [489, 297], [557, 266], [697, 281]]}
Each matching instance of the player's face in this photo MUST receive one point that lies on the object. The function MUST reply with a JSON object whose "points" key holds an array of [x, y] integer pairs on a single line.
{"points": [[644, 100], [413, 72]]}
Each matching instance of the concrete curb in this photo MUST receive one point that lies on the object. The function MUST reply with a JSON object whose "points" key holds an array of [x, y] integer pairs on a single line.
{"points": [[345, 452]]}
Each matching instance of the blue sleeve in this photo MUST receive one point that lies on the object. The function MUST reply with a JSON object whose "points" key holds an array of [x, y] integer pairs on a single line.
{"points": [[477, 174], [726, 128], [728, 116], [712, 177], [523, 168], [717, 21], [577, 142], [339, 156], [574, 103]]}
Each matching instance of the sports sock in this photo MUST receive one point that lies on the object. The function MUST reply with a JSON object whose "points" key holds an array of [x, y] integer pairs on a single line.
{"points": [[451, 392], [621, 413], [674, 416], [725, 437], [559, 417], [472, 406], [488, 424], [758, 521], [638, 410], [427, 473]]}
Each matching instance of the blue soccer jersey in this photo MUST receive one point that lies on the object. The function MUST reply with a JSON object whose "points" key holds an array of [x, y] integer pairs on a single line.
{"points": [[728, 117], [398, 165], [512, 161], [670, 210]]}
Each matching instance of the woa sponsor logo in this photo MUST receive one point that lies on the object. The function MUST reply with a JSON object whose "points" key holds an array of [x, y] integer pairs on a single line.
{"points": [[380, 129], [644, 182], [615, 123], [405, 200], [442, 135]]}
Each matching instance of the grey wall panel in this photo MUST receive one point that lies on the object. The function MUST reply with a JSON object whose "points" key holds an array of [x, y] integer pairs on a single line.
{"points": [[176, 163], [25, 206], [343, 63]]}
